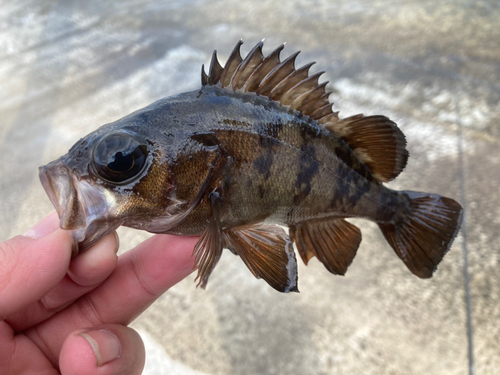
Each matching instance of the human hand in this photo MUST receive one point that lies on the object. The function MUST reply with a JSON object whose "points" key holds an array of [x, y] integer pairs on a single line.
{"points": [[69, 316]]}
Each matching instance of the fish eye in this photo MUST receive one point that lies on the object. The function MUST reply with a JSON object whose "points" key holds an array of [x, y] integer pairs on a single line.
{"points": [[119, 157]]}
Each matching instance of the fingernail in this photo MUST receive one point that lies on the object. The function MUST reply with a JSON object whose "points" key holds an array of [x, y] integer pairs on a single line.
{"points": [[105, 345], [47, 225], [117, 242], [74, 247]]}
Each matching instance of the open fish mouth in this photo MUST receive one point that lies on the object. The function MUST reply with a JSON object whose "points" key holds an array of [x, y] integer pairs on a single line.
{"points": [[82, 208]]}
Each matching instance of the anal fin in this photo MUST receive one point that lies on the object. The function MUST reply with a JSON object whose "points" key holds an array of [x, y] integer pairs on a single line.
{"points": [[268, 253], [333, 241]]}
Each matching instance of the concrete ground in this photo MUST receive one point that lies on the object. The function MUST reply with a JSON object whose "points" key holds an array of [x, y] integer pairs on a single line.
{"points": [[67, 67]]}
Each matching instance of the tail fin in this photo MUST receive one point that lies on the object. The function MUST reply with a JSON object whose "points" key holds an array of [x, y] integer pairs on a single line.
{"points": [[424, 232]]}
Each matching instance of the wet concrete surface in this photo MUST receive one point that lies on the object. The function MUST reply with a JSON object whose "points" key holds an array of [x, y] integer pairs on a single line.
{"points": [[67, 67]]}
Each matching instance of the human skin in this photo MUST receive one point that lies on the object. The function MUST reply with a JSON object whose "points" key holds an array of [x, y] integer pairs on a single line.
{"points": [[63, 315]]}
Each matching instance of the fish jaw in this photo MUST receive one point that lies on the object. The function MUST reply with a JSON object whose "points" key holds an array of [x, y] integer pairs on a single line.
{"points": [[82, 208]]}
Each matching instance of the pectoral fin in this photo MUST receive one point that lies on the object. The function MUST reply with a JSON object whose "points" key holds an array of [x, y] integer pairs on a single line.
{"points": [[268, 253], [208, 250], [334, 242]]}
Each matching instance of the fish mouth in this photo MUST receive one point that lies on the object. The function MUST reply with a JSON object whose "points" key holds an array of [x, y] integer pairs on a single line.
{"points": [[82, 208], [58, 184]]}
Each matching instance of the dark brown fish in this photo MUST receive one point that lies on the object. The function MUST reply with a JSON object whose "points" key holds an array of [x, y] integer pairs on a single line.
{"points": [[257, 145]]}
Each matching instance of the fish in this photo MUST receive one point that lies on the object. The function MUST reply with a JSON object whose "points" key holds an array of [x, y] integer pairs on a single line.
{"points": [[257, 148]]}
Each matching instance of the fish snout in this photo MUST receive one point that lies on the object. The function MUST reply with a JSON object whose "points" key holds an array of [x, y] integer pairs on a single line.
{"points": [[59, 184]]}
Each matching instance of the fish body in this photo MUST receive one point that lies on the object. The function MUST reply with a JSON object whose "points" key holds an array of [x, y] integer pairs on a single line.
{"points": [[257, 145]]}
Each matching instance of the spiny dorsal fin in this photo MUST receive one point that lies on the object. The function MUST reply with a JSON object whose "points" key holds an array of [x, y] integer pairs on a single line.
{"points": [[269, 76], [375, 140]]}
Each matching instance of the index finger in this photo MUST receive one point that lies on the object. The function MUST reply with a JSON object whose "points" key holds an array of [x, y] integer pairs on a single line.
{"points": [[140, 277]]}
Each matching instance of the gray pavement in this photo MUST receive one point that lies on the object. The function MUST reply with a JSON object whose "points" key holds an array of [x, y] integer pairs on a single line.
{"points": [[67, 67]]}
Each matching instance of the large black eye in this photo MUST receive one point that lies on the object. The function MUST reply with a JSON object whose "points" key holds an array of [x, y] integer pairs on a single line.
{"points": [[119, 157]]}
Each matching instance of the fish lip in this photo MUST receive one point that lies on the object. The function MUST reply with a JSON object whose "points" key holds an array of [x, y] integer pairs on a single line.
{"points": [[49, 188], [59, 184], [82, 208]]}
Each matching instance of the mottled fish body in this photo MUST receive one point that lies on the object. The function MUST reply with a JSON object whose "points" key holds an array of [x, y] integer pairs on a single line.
{"points": [[257, 145]]}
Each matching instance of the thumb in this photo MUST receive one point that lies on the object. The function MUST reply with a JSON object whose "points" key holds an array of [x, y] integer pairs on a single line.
{"points": [[30, 267], [105, 350]]}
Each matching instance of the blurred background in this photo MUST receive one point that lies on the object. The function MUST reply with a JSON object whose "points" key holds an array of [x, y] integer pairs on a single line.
{"points": [[67, 67]]}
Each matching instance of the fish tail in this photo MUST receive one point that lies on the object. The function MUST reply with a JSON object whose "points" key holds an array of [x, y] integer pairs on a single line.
{"points": [[423, 232]]}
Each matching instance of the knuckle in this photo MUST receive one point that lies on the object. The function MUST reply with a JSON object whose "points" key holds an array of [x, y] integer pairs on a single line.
{"points": [[48, 305], [89, 311], [142, 280]]}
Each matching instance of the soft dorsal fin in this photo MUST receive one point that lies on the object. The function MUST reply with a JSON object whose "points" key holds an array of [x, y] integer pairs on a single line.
{"points": [[375, 140]]}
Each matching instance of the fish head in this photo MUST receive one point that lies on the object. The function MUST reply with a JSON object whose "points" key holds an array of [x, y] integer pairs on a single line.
{"points": [[118, 175]]}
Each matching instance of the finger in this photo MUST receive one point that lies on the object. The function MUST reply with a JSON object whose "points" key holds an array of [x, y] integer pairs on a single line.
{"points": [[105, 350], [47, 225], [140, 277], [30, 267], [96, 264], [86, 271], [19, 355]]}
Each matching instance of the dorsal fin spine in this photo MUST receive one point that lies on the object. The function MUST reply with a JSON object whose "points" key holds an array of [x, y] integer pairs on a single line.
{"points": [[309, 101], [309, 96], [300, 88], [232, 64], [204, 77], [215, 70], [259, 74], [246, 67], [323, 100], [322, 111], [276, 75], [329, 119], [290, 81]]}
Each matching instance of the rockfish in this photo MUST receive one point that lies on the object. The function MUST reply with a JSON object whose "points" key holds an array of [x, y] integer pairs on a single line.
{"points": [[257, 146]]}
